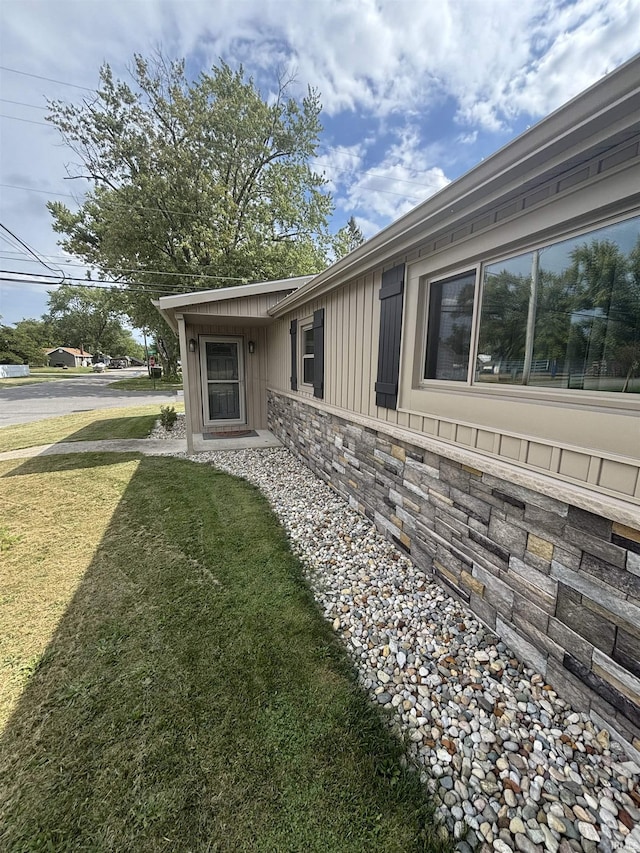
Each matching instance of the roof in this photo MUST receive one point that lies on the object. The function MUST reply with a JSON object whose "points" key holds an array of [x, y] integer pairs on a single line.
{"points": [[170, 307], [80, 353], [182, 300]]}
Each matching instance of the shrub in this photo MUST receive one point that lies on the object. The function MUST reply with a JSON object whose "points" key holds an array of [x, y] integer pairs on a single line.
{"points": [[168, 417]]}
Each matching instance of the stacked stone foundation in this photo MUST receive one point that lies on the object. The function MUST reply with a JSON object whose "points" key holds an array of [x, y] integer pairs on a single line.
{"points": [[560, 585]]}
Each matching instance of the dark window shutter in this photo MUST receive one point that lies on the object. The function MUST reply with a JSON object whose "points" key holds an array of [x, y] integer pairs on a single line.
{"points": [[318, 353], [391, 298], [293, 331]]}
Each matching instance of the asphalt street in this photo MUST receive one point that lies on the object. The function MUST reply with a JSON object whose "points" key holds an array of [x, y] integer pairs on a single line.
{"points": [[36, 402]]}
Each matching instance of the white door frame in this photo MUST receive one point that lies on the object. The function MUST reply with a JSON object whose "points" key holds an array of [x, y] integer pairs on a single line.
{"points": [[205, 381]]}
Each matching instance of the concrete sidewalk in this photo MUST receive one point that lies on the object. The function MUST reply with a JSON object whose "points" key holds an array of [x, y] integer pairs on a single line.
{"points": [[146, 446]]}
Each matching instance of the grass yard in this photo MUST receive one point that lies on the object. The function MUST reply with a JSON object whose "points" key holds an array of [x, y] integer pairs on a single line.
{"points": [[44, 374], [134, 422], [168, 683], [145, 383]]}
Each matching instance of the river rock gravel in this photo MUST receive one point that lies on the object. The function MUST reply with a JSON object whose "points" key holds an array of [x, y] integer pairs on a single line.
{"points": [[511, 765]]}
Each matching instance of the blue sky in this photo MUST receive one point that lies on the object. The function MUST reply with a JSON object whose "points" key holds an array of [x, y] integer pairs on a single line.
{"points": [[414, 92]]}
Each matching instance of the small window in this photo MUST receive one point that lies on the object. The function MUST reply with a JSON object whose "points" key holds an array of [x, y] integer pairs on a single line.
{"points": [[307, 355], [449, 324]]}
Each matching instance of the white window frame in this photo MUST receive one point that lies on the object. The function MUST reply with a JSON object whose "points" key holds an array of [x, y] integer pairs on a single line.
{"points": [[303, 327]]}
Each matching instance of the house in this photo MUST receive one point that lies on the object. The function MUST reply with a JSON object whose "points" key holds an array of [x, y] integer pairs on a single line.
{"points": [[469, 379], [68, 357]]}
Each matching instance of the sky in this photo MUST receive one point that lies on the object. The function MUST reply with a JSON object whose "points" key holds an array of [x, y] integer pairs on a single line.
{"points": [[414, 92]]}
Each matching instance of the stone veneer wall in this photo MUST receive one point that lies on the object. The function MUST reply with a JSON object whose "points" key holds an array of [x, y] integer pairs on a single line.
{"points": [[560, 585]]}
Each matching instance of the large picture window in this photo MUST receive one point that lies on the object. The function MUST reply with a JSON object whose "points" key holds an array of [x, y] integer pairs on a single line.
{"points": [[566, 315], [449, 323]]}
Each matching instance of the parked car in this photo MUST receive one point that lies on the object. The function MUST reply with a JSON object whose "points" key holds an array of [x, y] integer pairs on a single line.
{"points": [[99, 367], [117, 363]]}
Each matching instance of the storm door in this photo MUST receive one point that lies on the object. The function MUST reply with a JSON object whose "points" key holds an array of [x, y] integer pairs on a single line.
{"points": [[222, 370]]}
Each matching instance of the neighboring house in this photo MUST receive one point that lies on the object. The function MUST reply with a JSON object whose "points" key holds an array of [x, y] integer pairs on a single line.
{"points": [[68, 357], [469, 379]]}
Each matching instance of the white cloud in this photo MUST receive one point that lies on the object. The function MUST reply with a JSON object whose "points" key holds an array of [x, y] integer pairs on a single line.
{"points": [[339, 164], [467, 138], [411, 63], [403, 178]]}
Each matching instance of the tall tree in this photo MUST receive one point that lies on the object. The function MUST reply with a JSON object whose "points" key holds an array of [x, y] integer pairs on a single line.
{"points": [[193, 184], [90, 317]]}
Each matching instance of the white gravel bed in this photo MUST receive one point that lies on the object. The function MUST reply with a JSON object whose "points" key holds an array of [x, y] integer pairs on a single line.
{"points": [[511, 765]]}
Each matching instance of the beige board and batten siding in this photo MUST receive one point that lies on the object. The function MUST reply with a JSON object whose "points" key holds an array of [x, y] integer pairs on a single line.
{"points": [[352, 316], [592, 439]]}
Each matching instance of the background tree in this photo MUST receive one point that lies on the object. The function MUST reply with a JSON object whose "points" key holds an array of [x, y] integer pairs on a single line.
{"points": [[90, 317], [605, 293], [348, 238], [193, 184], [505, 303], [25, 342]]}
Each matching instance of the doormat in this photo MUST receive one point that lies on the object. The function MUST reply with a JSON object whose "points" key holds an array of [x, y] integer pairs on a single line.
{"points": [[246, 433]]}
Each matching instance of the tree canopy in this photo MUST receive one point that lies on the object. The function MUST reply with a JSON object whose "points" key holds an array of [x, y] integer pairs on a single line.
{"points": [[81, 317], [26, 342], [91, 318], [194, 184]]}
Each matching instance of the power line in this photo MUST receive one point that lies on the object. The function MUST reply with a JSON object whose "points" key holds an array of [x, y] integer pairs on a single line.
{"points": [[22, 104], [369, 174], [27, 120], [87, 89], [116, 206], [30, 250], [134, 288], [62, 258], [78, 281], [48, 79]]}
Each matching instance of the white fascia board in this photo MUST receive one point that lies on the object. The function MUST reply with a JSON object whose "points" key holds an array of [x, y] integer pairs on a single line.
{"points": [[168, 315], [182, 300], [614, 100]]}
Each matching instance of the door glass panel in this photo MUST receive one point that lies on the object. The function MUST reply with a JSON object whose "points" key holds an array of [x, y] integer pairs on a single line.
{"points": [[222, 361], [224, 401]]}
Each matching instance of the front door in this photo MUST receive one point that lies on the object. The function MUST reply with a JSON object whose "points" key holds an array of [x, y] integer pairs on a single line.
{"points": [[222, 369]]}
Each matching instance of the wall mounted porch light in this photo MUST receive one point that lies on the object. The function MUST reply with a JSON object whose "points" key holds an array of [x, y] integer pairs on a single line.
{"points": [[251, 346], [192, 345]]}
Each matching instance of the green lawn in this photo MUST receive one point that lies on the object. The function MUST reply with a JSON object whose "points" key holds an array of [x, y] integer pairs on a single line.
{"points": [[44, 374], [169, 684], [134, 422], [144, 383]]}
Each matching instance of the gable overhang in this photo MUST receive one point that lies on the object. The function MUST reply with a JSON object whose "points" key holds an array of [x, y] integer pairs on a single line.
{"points": [[185, 305], [601, 118]]}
